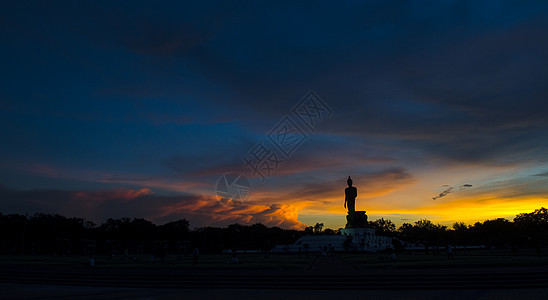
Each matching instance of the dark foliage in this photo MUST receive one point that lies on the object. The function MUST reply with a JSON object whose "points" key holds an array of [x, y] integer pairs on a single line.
{"points": [[383, 227], [56, 234], [528, 230]]}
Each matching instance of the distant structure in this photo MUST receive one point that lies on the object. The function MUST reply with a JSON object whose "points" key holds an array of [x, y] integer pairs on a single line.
{"points": [[357, 231], [355, 237]]}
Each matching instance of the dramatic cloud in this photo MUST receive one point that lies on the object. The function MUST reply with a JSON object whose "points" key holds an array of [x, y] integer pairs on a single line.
{"points": [[212, 212], [100, 205], [115, 106]]}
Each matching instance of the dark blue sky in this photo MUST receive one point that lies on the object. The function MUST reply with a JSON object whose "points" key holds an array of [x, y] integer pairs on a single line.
{"points": [[133, 108]]}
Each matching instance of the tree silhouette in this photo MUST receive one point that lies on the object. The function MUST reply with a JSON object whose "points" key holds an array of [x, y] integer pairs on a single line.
{"points": [[383, 227], [533, 227], [425, 232], [318, 228]]}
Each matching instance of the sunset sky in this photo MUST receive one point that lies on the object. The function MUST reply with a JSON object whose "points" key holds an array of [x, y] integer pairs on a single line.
{"points": [[436, 109]]}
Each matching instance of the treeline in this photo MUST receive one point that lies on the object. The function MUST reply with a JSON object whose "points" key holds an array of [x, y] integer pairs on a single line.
{"points": [[527, 230], [56, 234]]}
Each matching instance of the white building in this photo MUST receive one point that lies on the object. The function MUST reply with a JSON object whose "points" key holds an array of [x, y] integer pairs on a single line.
{"points": [[365, 239], [362, 239]]}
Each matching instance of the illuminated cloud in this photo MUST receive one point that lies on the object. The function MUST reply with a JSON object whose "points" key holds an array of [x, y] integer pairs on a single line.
{"points": [[100, 205], [210, 211]]}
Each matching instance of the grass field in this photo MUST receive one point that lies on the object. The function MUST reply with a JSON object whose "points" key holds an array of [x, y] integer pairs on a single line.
{"points": [[206, 261], [476, 258], [470, 259]]}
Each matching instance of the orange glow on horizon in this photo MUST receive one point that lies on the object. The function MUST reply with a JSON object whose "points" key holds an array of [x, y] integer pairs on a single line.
{"points": [[468, 211]]}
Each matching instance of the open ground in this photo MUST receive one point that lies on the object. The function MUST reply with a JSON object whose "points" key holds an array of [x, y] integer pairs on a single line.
{"points": [[471, 274]]}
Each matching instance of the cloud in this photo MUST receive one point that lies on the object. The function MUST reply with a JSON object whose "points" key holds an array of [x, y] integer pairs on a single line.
{"points": [[415, 85], [101, 196], [450, 189], [99, 205], [211, 212], [444, 193]]}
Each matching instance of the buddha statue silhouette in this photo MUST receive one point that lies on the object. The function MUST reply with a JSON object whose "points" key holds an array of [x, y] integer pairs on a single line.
{"points": [[354, 219], [350, 193]]}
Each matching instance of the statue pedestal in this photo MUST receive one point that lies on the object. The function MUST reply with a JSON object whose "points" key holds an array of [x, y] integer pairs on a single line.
{"points": [[360, 237], [356, 219]]}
